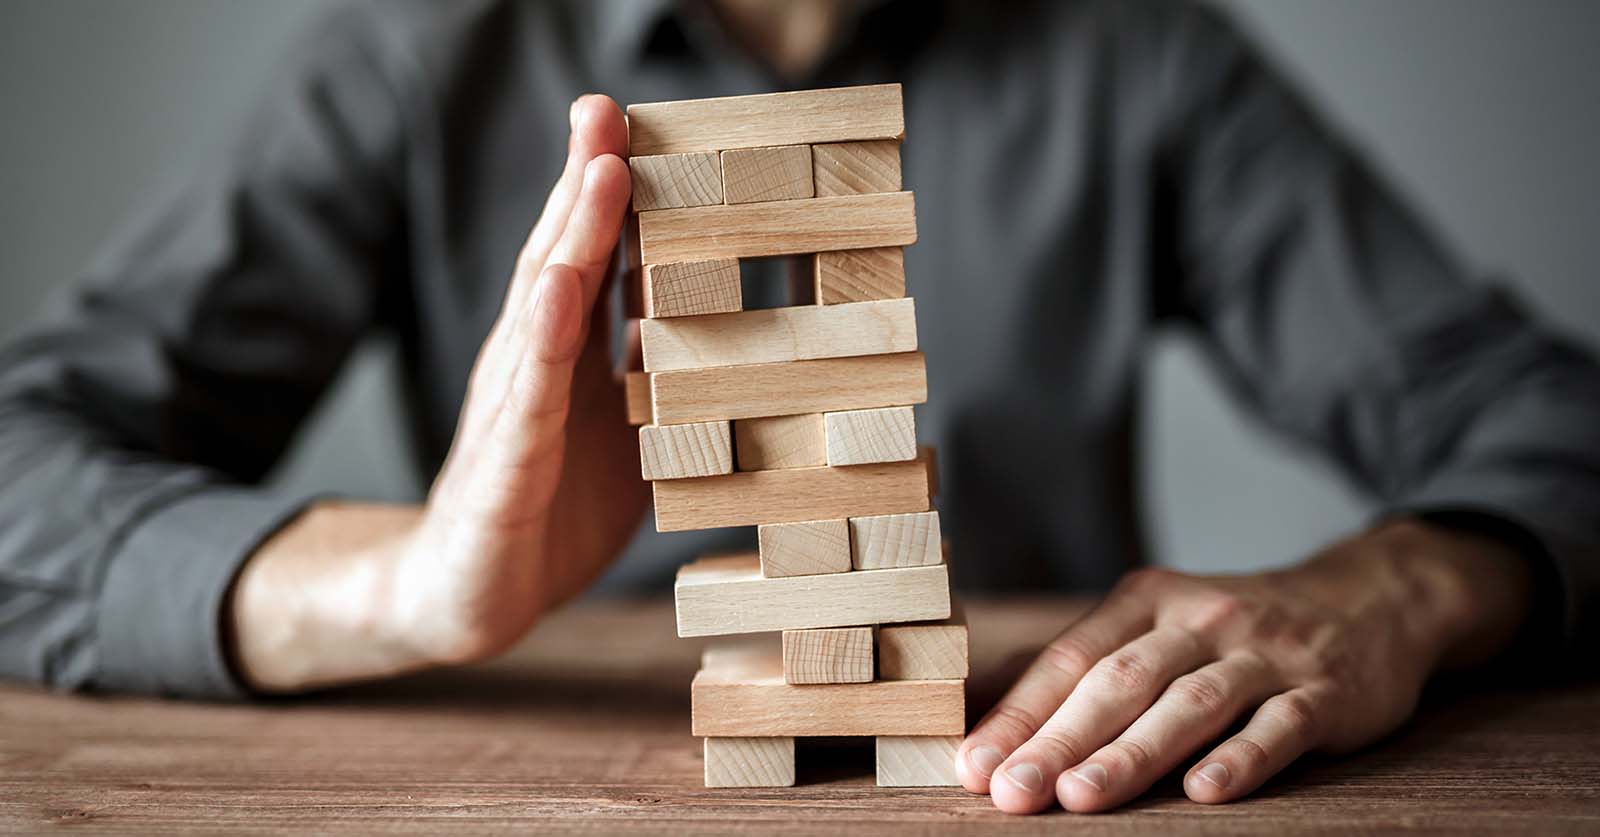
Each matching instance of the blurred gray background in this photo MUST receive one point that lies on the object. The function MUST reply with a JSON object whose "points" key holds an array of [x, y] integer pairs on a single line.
{"points": [[1482, 111]]}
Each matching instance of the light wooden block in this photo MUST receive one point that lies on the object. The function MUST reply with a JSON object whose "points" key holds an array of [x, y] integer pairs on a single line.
{"points": [[684, 289], [862, 437], [917, 761], [812, 547], [727, 595], [741, 692], [802, 117], [670, 181], [895, 540], [763, 444], [933, 651], [787, 389], [778, 228], [750, 762], [636, 394], [827, 655], [843, 276], [777, 335], [856, 168], [754, 175], [790, 495], [678, 451]]}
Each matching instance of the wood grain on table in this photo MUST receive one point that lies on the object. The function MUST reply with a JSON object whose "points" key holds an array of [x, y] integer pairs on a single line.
{"points": [[585, 728]]}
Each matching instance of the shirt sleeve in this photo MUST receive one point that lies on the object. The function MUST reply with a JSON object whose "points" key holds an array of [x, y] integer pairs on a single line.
{"points": [[1338, 317], [138, 414]]}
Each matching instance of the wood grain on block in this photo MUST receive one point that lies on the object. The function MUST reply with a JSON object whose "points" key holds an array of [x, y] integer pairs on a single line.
{"points": [[812, 547], [683, 289], [856, 168], [917, 761], [678, 451], [777, 335], [763, 444], [828, 655], [930, 457], [750, 762], [672, 181], [778, 228], [862, 437], [727, 595], [924, 651], [740, 692], [780, 173], [636, 393], [895, 540], [859, 275], [803, 117], [787, 389], [790, 495]]}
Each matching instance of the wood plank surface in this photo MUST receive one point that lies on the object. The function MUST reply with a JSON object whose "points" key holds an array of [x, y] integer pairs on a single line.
{"points": [[862, 437], [812, 547], [856, 168], [780, 173], [751, 762], [790, 495], [917, 761], [896, 540], [724, 595], [859, 275], [803, 117], [924, 650], [763, 444], [778, 335], [786, 389], [778, 228], [636, 395]]}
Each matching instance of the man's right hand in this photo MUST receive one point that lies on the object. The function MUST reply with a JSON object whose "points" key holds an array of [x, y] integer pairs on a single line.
{"points": [[540, 491]]}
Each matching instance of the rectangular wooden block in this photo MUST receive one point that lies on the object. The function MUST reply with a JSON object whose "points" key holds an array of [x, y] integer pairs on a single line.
{"points": [[812, 547], [677, 451], [778, 228], [742, 693], [843, 276], [750, 762], [932, 651], [828, 655], [802, 117], [727, 595], [856, 168], [636, 393], [777, 335], [895, 540], [862, 437], [763, 444], [917, 761], [790, 495], [754, 175], [684, 289], [787, 389], [670, 181]]}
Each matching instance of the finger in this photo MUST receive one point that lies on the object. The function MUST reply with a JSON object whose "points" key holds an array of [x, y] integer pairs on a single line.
{"points": [[1283, 729], [1114, 692], [595, 224], [1196, 708], [1046, 683]]}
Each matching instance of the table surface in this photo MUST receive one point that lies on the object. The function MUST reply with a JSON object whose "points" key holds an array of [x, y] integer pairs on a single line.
{"points": [[585, 728]]}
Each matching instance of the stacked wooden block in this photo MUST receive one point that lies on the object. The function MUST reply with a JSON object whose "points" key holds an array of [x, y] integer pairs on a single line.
{"points": [[797, 420]]}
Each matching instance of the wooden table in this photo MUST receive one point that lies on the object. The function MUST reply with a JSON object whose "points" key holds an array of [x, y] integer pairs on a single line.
{"points": [[585, 728]]}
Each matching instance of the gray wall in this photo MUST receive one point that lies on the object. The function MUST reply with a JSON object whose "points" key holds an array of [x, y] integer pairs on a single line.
{"points": [[1482, 110]]}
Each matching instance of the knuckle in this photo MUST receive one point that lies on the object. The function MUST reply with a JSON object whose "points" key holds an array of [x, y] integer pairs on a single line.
{"points": [[1059, 747], [1200, 693], [1012, 722], [1250, 755], [1146, 579], [1136, 755], [1067, 656], [1124, 671], [1296, 712], [1218, 611]]}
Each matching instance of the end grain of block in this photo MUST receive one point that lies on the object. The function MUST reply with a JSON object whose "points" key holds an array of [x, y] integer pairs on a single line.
{"points": [[895, 540], [827, 655], [679, 451], [683, 289], [813, 547], [862, 437], [674, 181], [749, 762], [636, 393], [917, 761], [929, 651], [856, 168], [764, 444], [860, 275], [753, 175]]}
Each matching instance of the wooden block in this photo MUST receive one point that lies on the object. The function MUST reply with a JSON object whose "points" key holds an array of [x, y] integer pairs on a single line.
{"points": [[676, 451], [742, 693], [669, 181], [932, 651], [828, 655], [636, 393], [803, 117], [895, 540], [855, 168], [750, 762], [858, 275], [862, 437], [763, 444], [790, 495], [930, 456], [787, 389], [778, 228], [727, 595], [777, 335], [812, 547], [754, 175], [917, 761], [683, 289]]}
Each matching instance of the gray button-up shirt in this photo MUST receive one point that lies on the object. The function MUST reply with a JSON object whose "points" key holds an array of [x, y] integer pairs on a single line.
{"points": [[1086, 173]]}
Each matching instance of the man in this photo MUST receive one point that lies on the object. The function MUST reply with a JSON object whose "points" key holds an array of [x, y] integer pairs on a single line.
{"points": [[1086, 173]]}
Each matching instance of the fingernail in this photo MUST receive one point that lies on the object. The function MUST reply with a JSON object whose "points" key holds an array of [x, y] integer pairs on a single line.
{"points": [[1216, 773], [1092, 775], [1027, 777], [985, 759]]}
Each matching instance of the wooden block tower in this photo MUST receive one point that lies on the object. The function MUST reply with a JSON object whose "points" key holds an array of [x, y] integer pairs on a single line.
{"points": [[797, 420]]}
